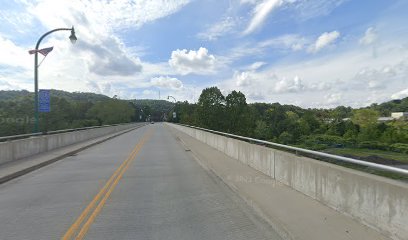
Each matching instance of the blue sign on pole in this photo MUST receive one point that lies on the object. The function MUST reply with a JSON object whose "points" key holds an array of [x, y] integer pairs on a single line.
{"points": [[44, 100]]}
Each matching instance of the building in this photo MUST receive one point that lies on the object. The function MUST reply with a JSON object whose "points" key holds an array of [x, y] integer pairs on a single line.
{"points": [[385, 119], [400, 115]]}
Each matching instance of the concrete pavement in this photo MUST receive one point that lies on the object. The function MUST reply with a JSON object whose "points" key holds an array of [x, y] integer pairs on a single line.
{"points": [[17, 168], [156, 191], [293, 214]]}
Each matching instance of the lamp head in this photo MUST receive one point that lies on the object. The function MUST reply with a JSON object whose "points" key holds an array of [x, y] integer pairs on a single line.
{"points": [[72, 37]]}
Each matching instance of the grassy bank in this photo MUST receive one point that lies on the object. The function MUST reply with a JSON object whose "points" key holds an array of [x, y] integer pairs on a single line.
{"points": [[366, 154]]}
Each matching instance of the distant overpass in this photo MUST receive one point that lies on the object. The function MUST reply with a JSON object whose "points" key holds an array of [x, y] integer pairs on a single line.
{"points": [[165, 181]]}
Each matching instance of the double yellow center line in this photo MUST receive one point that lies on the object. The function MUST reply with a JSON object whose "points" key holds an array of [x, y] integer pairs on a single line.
{"points": [[91, 212]]}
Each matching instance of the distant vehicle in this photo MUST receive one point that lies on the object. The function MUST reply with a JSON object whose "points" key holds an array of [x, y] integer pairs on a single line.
{"points": [[151, 122]]}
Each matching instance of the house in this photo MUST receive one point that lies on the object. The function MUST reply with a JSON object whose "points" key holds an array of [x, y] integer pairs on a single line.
{"points": [[400, 115]]}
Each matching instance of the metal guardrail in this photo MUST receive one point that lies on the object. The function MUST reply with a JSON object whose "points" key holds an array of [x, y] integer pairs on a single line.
{"points": [[21, 136], [310, 152]]}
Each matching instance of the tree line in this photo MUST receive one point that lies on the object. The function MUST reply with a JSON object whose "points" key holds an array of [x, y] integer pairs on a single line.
{"points": [[316, 129], [73, 110]]}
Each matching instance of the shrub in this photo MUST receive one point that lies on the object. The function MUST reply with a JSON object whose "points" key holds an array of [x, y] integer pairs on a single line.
{"points": [[373, 145], [327, 140], [399, 147]]}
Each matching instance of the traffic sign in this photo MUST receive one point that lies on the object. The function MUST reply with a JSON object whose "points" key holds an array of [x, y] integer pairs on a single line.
{"points": [[44, 100]]}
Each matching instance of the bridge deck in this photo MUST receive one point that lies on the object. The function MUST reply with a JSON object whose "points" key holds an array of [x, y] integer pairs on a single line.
{"points": [[162, 193], [293, 214]]}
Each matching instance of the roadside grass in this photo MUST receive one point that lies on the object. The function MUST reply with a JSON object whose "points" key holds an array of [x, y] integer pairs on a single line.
{"points": [[401, 157]]}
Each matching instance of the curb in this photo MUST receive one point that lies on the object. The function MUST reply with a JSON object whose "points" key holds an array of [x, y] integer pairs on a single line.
{"points": [[24, 171]]}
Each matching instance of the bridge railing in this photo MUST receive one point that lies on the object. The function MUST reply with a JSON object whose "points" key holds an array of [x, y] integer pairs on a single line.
{"points": [[21, 136], [311, 153]]}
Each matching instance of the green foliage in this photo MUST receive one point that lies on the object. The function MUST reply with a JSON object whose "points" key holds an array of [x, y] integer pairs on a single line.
{"points": [[373, 145], [70, 110], [315, 129], [399, 147], [365, 117], [111, 112], [328, 140], [211, 109], [286, 138], [261, 130], [238, 118], [385, 109]]}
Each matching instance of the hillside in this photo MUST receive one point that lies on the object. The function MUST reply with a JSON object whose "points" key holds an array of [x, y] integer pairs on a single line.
{"points": [[386, 108], [15, 95], [73, 110]]}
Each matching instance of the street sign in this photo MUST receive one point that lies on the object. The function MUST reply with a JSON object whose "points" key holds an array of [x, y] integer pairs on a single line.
{"points": [[44, 100]]}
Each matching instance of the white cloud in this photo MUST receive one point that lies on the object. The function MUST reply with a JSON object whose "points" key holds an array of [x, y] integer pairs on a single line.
{"points": [[113, 14], [109, 57], [14, 55], [369, 37], [356, 75], [167, 82], [93, 86], [218, 29], [334, 98], [260, 13], [271, 83], [290, 85], [283, 44], [149, 94], [249, 1], [306, 9], [243, 79], [257, 65], [4, 85], [191, 61], [400, 94], [375, 78], [293, 42], [300, 10], [324, 40], [99, 61]]}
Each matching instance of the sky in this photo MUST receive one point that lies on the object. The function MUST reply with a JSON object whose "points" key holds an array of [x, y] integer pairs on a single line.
{"points": [[310, 53]]}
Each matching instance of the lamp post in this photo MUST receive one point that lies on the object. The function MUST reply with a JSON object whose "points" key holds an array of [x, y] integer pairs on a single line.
{"points": [[175, 102], [73, 39], [168, 97]]}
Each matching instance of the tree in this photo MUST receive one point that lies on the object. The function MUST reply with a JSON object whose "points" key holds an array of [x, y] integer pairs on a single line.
{"points": [[261, 130], [187, 113], [111, 112], [210, 108], [276, 120], [237, 113], [286, 138], [341, 112], [365, 117], [309, 123]]}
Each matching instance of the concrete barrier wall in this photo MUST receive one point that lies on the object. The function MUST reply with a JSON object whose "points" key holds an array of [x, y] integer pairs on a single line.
{"points": [[17, 149], [375, 201]]}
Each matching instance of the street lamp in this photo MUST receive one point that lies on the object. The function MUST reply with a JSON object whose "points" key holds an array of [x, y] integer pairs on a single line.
{"points": [[73, 39], [175, 102]]}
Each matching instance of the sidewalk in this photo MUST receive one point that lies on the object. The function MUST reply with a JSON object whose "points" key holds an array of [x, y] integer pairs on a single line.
{"points": [[14, 169], [291, 213]]}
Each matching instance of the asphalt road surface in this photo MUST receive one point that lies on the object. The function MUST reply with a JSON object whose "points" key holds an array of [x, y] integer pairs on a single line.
{"points": [[141, 185]]}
